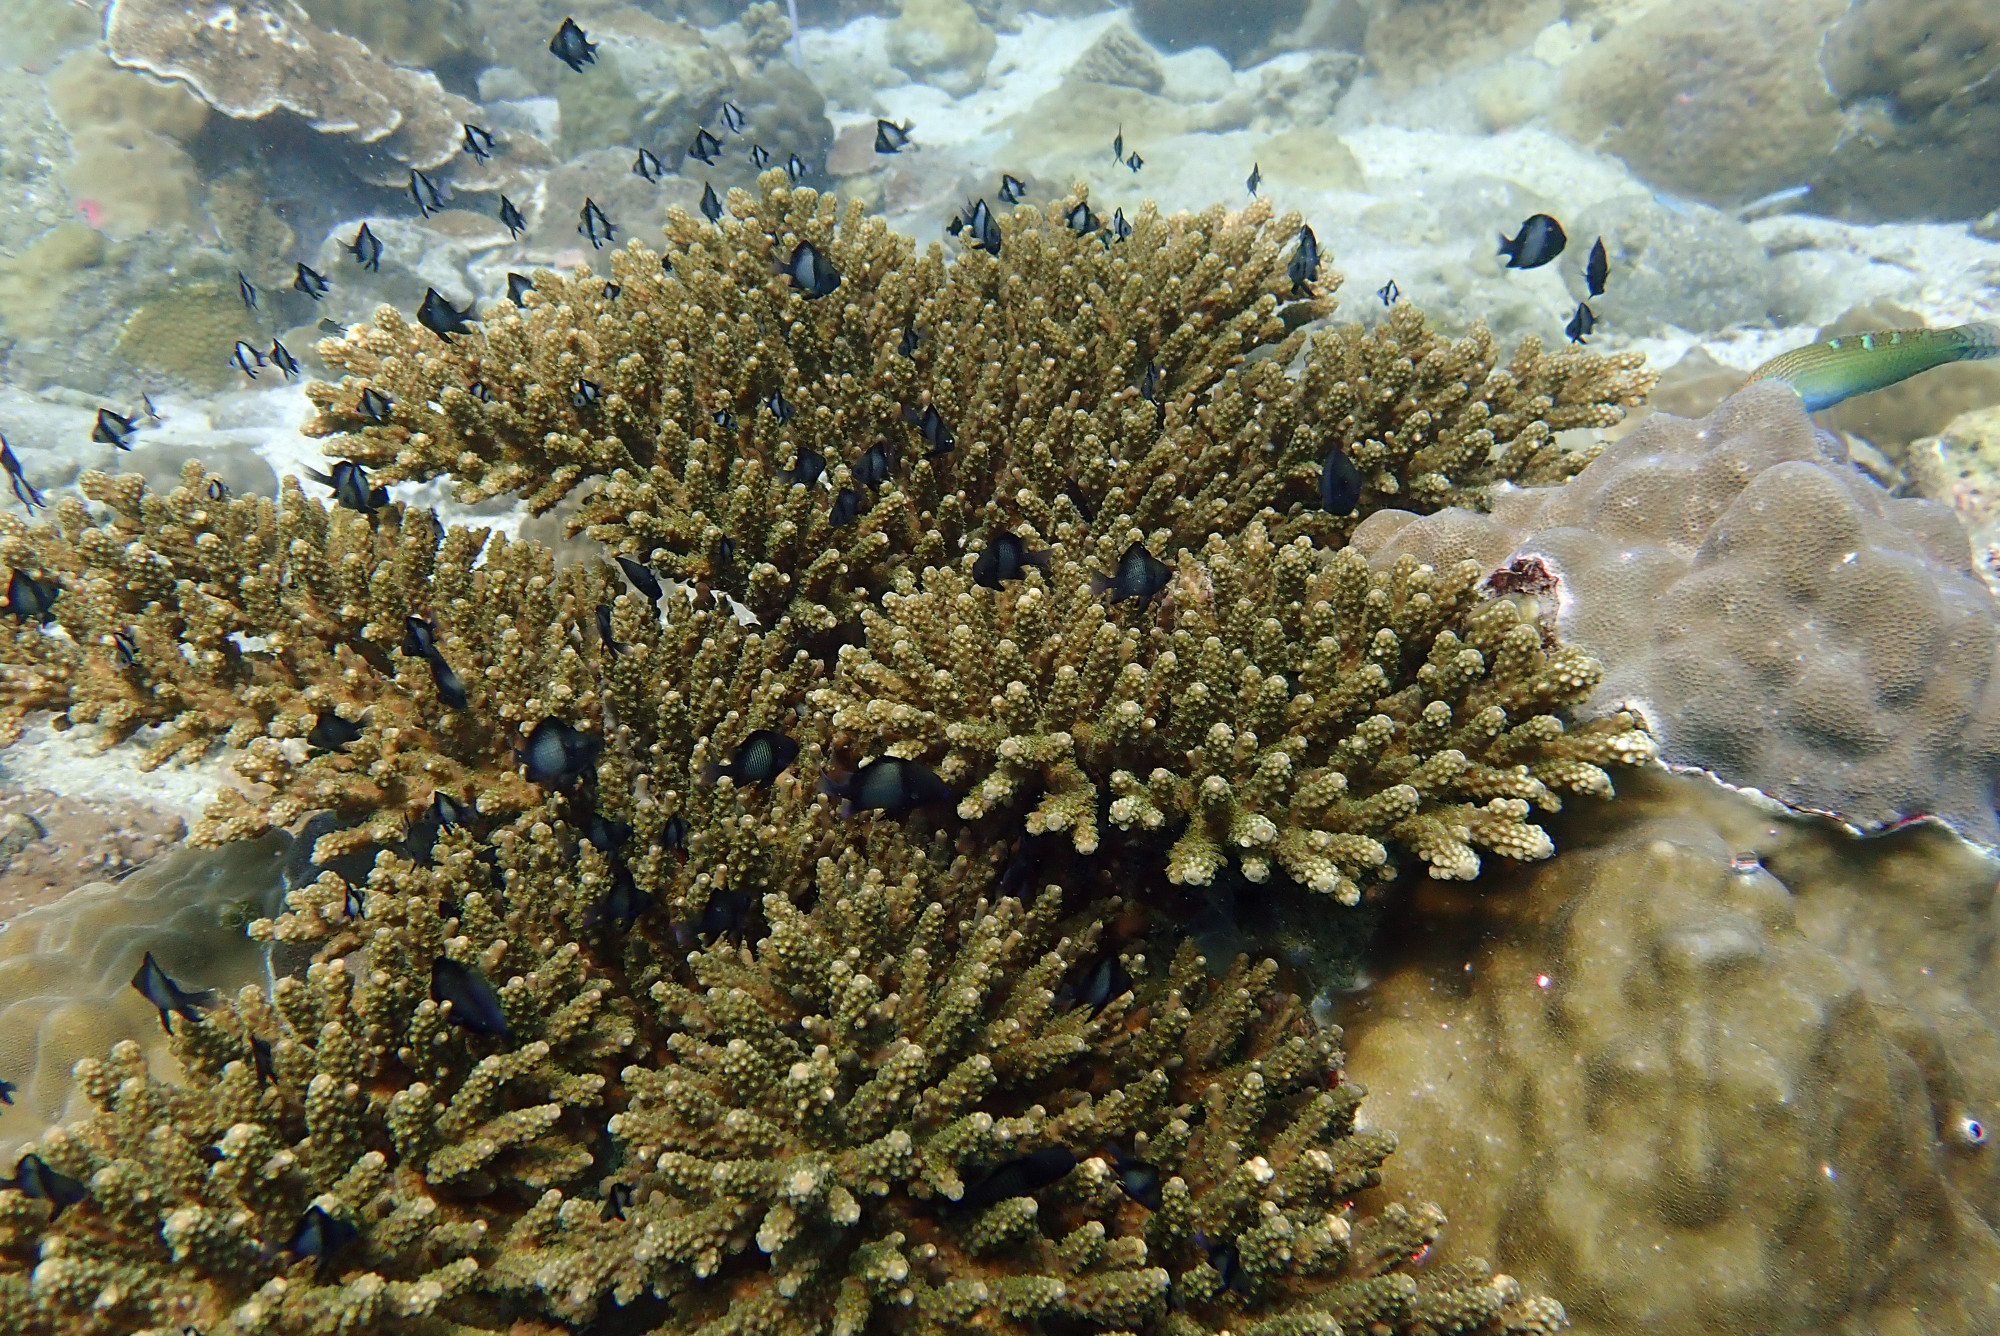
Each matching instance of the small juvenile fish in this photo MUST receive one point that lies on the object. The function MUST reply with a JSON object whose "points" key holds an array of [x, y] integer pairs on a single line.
{"points": [[350, 485], [218, 490], [113, 429], [711, 203], [724, 419], [811, 272], [245, 359], [606, 834], [474, 1004], [585, 393], [612, 646], [1149, 384], [1224, 1258], [1140, 575], [809, 469], [1339, 483], [7, 1089], [1256, 178], [732, 116], [1540, 240], [674, 833], [34, 1178], [260, 1059], [24, 491], [449, 811], [1304, 267], [1827, 372], [1118, 145], [621, 906], [571, 47], [29, 599], [610, 292], [511, 219], [479, 391], [723, 916], [1005, 558], [704, 147], [478, 141], [1080, 219], [985, 229], [780, 410], [151, 411], [366, 248], [889, 785], [518, 288], [333, 329], [309, 281], [1120, 229], [332, 733], [281, 358], [1135, 162], [891, 137], [592, 223], [955, 226], [1100, 983], [1579, 326], [166, 996], [1012, 189], [556, 754], [1022, 1176], [1137, 1179], [725, 552], [758, 759], [247, 291], [1597, 268], [911, 337], [375, 404], [760, 157], [319, 1235], [617, 1201], [1389, 293], [642, 578], [425, 192], [872, 469], [795, 167], [846, 508], [931, 425], [647, 166]]}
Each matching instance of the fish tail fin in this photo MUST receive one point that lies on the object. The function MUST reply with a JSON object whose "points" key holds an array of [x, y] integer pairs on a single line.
{"points": [[1040, 559], [1980, 340]]}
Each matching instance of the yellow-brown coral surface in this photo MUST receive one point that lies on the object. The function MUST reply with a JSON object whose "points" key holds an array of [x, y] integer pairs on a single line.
{"points": [[759, 1062]]}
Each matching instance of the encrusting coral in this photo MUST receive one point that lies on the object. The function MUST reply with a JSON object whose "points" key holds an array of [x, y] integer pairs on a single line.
{"points": [[629, 1007]]}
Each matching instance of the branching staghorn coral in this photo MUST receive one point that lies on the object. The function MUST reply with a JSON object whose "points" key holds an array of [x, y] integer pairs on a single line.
{"points": [[1138, 381], [1291, 707]]}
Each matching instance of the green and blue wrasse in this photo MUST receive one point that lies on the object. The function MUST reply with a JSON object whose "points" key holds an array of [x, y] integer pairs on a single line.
{"points": [[1827, 372]]}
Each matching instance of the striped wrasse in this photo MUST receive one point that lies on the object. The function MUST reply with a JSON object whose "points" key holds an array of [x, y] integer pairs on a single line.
{"points": [[1826, 373]]}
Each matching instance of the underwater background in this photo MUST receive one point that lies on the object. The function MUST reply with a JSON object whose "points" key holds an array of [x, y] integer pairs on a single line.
{"points": [[848, 668]]}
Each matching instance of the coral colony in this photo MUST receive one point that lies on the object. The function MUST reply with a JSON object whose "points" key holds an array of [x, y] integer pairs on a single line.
{"points": [[770, 929]]}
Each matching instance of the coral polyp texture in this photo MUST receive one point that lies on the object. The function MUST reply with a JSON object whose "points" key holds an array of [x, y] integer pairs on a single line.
{"points": [[662, 953]]}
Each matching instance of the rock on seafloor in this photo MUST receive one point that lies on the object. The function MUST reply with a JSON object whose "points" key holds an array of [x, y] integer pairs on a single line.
{"points": [[50, 844], [66, 968], [1710, 1071]]}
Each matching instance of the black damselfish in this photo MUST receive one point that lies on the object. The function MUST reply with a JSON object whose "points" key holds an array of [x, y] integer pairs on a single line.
{"points": [[478, 141], [1012, 189], [711, 204], [1304, 267], [375, 405], [809, 468], [732, 116], [704, 147], [1022, 1176], [113, 429], [930, 424], [612, 646], [592, 223], [812, 273], [443, 319], [310, 281], [556, 754], [366, 248], [168, 997], [891, 137], [875, 465], [350, 485], [1339, 483], [1579, 326], [585, 393], [518, 288], [1005, 558], [760, 157], [1596, 268], [511, 219], [425, 192], [647, 166], [641, 576], [332, 733], [758, 759], [1137, 1179], [1540, 240], [474, 1004], [247, 291], [780, 409], [34, 1178], [29, 599], [1140, 575], [246, 359], [1080, 219], [889, 785], [24, 491], [319, 1235], [846, 508], [620, 907], [571, 47], [281, 358]]}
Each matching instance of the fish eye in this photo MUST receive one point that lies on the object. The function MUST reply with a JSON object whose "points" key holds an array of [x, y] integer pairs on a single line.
{"points": [[1971, 1131]]}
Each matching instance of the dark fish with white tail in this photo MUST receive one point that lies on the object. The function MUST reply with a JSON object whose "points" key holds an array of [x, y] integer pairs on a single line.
{"points": [[758, 759], [366, 248], [158, 988], [474, 1004], [572, 47], [889, 785], [1139, 575], [1540, 240], [245, 359], [281, 358]]}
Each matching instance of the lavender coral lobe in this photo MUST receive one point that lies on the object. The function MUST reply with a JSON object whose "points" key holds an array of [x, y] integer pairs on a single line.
{"points": [[744, 1097]]}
